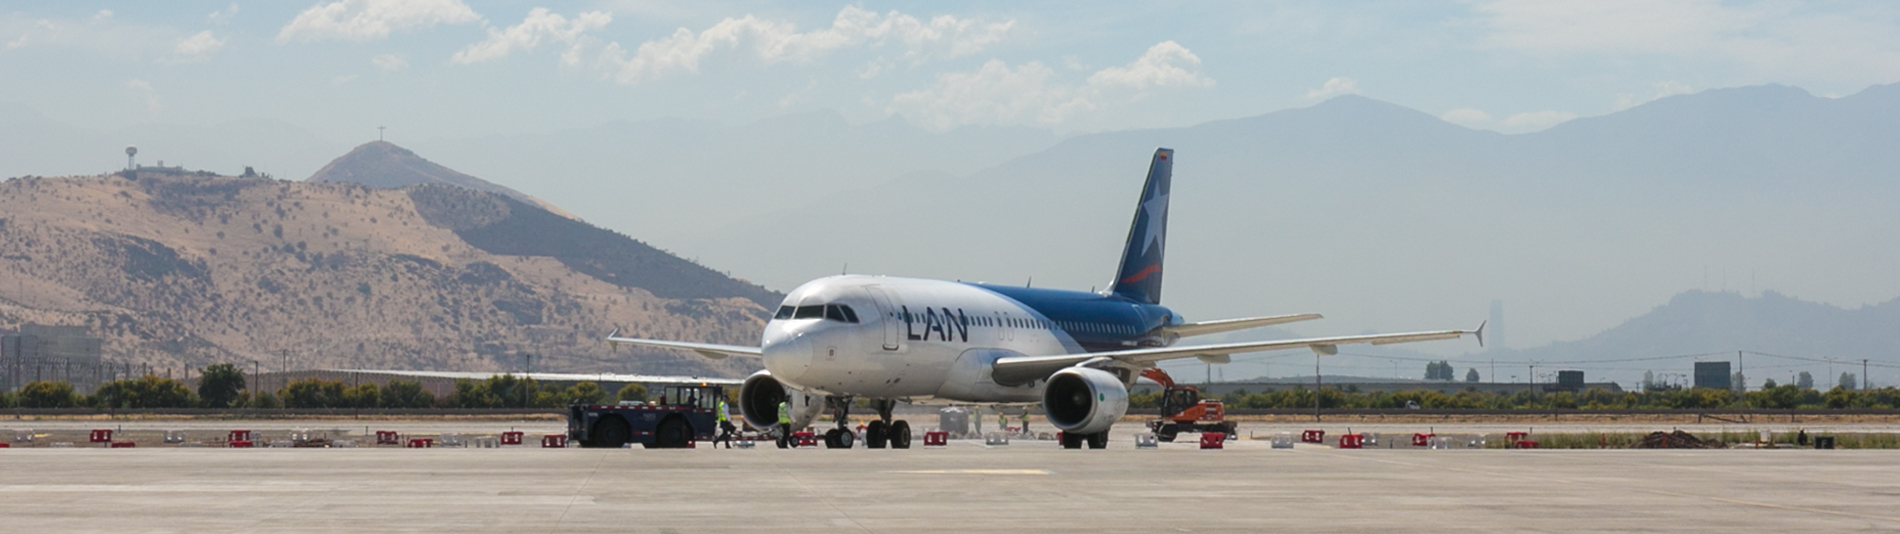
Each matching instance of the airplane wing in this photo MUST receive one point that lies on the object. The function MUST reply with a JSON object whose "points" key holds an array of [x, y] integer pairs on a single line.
{"points": [[707, 350], [1023, 369], [1227, 325]]}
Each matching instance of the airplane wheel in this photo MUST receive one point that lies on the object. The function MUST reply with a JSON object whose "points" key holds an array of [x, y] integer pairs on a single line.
{"points": [[1071, 440], [900, 435], [876, 434], [1098, 440]]}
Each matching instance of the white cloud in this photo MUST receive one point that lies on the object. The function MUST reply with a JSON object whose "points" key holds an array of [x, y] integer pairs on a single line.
{"points": [[1466, 116], [102, 16], [389, 62], [1334, 87], [224, 16], [1776, 40], [1033, 93], [1538, 120], [1167, 64], [1662, 90], [943, 36], [369, 20], [144, 89], [538, 26], [993, 94], [197, 47], [1518, 123]]}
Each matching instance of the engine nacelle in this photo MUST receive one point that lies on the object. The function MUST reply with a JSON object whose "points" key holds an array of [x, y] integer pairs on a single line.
{"points": [[1082, 400], [759, 398]]}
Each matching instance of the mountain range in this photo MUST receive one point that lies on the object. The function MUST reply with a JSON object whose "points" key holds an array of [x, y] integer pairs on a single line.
{"points": [[1386, 218], [173, 267]]}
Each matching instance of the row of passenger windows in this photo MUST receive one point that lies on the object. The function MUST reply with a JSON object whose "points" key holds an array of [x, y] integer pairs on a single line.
{"points": [[844, 314], [834, 312]]}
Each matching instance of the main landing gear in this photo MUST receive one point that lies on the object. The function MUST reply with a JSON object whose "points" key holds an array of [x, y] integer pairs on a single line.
{"points": [[1098, 440], [883, 432], [879, 433]]}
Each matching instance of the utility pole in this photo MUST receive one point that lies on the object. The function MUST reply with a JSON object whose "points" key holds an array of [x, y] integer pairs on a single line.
{"points": [[1316, 386], [1864, 376], [379, 133]]}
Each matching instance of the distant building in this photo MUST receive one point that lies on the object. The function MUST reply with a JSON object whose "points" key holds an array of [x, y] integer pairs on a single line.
{"points": [[39, 352], [1713, 375], [1571, 381]]}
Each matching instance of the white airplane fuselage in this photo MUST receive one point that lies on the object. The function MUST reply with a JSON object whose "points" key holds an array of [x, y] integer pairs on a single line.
{"points": [[925, 341]]}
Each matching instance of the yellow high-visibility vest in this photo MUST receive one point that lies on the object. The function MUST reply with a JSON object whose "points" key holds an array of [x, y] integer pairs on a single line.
{"points": [[784, 413]]}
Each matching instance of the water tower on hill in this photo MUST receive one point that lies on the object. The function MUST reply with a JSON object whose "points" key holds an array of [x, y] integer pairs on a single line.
{"points": [[130, 153]]}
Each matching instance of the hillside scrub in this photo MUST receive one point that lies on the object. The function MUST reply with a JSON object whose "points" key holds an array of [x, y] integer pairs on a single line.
{"points": [[1778, 398]]}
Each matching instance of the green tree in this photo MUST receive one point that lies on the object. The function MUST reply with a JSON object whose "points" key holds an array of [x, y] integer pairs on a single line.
{"points": [[363, 396], [1847, 381], [219, 386], [406, 394], [634, 392], [1471, 375], [1768, 384], [586, 393], [6, 400], [42, 394], [264, 400], [149, 391], [1804, 380], [314, 393]]}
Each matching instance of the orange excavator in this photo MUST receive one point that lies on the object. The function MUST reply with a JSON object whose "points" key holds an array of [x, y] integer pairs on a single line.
{"points": [[1183, 410]]}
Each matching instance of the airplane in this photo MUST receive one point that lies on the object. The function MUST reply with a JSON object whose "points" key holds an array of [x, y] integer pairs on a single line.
{"points": [[887, 339]]}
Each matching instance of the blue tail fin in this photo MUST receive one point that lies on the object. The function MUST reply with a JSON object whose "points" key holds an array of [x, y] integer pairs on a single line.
{"points": [[1140, 275]]}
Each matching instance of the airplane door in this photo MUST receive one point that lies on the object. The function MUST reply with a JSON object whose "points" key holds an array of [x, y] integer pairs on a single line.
{"points": [[892, 337]]}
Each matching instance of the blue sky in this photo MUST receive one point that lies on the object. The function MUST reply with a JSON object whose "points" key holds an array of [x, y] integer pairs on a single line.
{"points": [[443, 68]]}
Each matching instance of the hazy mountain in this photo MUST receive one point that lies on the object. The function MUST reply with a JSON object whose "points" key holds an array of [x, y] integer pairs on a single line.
{"points": [[1389, 219], [182, 267], [384, 165], [1700, 322], [672, 181]]}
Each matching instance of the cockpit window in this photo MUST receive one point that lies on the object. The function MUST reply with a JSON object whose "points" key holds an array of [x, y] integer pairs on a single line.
{"points": [[835, 312]]}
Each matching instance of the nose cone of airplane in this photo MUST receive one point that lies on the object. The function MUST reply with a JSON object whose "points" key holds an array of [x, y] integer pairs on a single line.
{"points": [[787, 353]]}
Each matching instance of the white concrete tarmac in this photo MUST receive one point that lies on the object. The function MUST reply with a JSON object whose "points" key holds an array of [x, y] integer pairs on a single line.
{"points": [[1026, 486]]}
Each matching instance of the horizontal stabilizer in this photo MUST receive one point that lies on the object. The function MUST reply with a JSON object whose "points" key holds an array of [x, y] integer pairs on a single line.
{"points": [[1229, 325]]}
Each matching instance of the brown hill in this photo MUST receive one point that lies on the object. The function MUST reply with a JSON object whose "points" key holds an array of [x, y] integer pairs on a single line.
{"points": [[383, 165], [181, 269]]}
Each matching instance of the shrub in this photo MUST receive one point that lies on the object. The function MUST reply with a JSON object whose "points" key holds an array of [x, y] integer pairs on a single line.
{"points": [[42, 394]]}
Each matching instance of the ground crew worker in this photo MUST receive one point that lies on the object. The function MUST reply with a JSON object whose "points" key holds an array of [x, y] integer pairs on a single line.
{"points": [[725, 425], [1002, 422], [784, 423], [1025, 423]]}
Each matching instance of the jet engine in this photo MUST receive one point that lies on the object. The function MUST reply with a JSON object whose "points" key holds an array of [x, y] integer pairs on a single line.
{"points": [[759, 397], [1081, 400]]}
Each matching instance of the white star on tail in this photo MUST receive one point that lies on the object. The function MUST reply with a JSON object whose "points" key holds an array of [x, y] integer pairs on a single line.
{"points": [[1157, 211]]}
